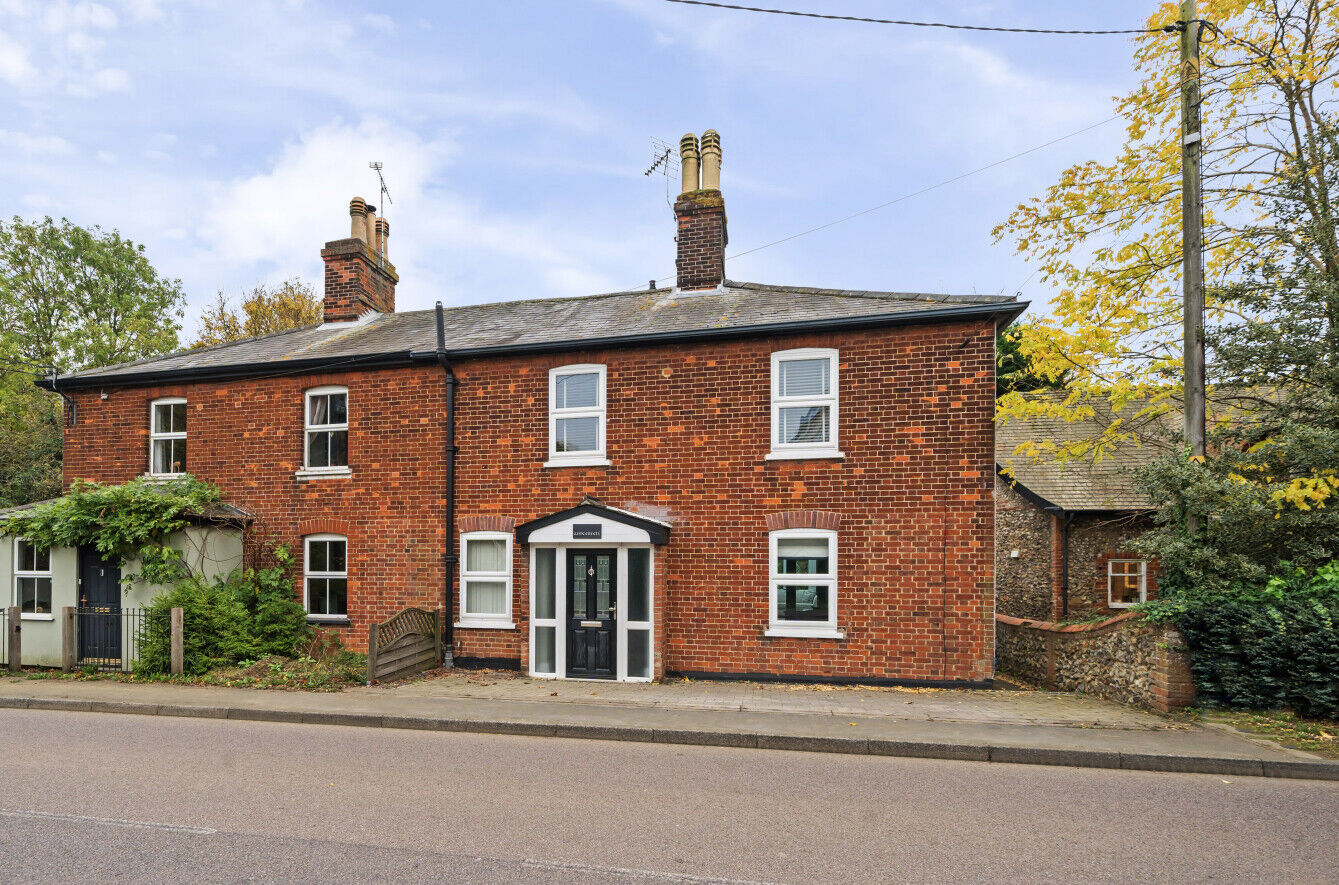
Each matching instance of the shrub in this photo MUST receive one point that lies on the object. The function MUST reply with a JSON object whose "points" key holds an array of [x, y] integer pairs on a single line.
{"points": [[1264, 646], [279, 622], [217, 627]]}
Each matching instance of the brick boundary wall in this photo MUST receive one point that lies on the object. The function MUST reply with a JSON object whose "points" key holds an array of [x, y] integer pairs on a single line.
{"points": [[1120, 659]]}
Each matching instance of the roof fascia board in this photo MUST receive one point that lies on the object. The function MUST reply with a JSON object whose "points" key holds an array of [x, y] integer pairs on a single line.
{"points": [[658, 531]]}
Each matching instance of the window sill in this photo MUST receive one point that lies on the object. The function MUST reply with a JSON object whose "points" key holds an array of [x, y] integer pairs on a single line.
{"points": [[323, 621], [481, 624], [323, 474], [1123, 604], [789, 632], [28, 616], [806, 455], [162, 477], [594, 461]]}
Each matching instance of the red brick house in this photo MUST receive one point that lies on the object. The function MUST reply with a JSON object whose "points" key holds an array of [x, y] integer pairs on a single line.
{"points": [[715, 478]]}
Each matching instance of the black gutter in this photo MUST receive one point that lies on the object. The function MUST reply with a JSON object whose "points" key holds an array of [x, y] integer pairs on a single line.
{"points": [[1004, 313], [451, 558]]}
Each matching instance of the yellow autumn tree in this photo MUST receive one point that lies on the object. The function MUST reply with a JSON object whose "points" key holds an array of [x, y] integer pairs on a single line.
{"points": [[1107, 234], [266, 309]]}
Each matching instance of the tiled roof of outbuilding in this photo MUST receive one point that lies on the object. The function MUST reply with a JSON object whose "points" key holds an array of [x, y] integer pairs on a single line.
{"points": [[555, 323], [1080, 483]]}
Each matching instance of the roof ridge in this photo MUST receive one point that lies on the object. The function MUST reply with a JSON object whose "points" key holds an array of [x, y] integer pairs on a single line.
{"points": [[876, 293]]}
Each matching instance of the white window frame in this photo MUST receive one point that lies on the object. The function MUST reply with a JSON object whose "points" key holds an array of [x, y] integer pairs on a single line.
{"points": [[155, 436], [1143, 582], [787, 451], [308, 428], [25, 573], [492, 621], [802, 629], [597, 458], [308, 573]]}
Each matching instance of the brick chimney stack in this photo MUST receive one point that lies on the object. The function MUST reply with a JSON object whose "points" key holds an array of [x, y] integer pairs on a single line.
{"points": [[359, 278], [700, 211]]}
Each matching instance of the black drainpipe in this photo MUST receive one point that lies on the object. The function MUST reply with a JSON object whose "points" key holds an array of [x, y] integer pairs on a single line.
{"points": [[450, 559]]}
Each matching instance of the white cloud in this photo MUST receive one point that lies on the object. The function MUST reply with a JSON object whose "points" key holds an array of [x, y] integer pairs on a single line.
{"points": [[104, 81], [59, 16], [40, 146], [15, 66], [380, 22]]}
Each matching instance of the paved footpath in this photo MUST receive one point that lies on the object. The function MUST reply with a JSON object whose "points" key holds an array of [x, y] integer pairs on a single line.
{"points": [[1048, 728]]}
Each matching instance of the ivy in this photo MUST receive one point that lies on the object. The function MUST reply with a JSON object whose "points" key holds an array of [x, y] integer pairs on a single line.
{"points": [[128, 521]]}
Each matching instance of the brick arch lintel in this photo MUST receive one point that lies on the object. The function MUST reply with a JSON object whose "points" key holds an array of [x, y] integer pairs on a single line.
{"points": [[804, 519], [323, 525], [486, 524]]}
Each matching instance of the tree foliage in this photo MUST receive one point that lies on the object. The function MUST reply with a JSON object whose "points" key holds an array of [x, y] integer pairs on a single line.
{"points": [[70, 298], [290, 305], [1013, 368], [1107, 235]]}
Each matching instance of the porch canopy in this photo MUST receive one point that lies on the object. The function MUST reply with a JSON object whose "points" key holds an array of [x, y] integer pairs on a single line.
{"points": [[592, 520]]}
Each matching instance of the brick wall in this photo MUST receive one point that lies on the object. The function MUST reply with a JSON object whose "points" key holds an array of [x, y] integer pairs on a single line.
{"points": [[702, 238], [688, 429]]}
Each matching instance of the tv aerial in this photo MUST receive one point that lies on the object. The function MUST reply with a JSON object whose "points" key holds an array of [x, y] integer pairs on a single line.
{"points": [[376, 166]]}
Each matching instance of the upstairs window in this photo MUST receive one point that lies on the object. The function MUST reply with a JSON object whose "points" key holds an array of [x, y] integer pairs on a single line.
{"points": [[326, 577], [803, 594], [804, 404], [167, 437], [577, 415], [328, 429], [1127, 582], [32, 578]]}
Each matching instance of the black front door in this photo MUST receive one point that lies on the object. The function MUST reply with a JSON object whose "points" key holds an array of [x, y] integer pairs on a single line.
{"points": [[100, 604], [591, 626]]}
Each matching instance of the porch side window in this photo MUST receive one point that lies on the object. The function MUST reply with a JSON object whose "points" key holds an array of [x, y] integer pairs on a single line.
{"points": [[1127, 582], [803, 591], [804, 403], [167, 436], [577, 414], [328, 429], [32, 578], [485, 580], [326, 576]]}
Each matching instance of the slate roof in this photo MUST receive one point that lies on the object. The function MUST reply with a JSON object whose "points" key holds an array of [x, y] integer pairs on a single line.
{"points": [[1080, 483], [561, 323]]}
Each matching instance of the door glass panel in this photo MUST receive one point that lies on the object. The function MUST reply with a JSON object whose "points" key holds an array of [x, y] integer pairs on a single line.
{"points": [[486, 598], [639, 585], [602, 587], [545, 652], [639, 654], [579, 567], [545, 584]]}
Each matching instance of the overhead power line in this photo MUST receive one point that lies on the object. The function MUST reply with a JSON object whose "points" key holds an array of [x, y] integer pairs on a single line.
{"points": [[916, 24]]}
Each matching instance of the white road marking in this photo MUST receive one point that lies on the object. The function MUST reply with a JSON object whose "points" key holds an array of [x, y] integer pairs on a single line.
{"points": [[651, 875], [109, 822]]}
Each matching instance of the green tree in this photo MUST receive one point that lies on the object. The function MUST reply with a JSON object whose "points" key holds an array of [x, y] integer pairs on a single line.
{"points": [[290, 305], [1013, 368], [70, 298]]}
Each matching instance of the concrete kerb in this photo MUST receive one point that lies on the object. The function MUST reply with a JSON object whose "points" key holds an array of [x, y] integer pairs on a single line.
{"points": [[813, 744]]}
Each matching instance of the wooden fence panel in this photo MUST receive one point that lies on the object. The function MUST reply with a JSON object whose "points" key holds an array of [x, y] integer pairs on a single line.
{"points": [[408, 643]]}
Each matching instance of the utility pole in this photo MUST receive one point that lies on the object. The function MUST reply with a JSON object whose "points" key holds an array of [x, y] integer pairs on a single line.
{"points": [[1192, 248]]}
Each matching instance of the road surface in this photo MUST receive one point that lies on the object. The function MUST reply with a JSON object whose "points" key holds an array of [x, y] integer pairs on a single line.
{"points": [[117, 798]]}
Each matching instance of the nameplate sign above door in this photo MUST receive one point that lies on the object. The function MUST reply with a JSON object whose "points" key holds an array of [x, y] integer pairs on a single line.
{"points": [[587, 530]]}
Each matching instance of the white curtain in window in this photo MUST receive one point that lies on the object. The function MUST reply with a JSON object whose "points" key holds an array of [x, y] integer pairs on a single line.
{"points": [[489, 555], [801, 548], [485, 598]]}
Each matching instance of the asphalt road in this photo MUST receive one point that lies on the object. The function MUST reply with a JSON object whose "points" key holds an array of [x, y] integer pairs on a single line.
{"points": [[116, 798]]}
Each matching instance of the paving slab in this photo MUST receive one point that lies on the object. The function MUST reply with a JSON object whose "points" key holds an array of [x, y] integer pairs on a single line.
{"points": [[1048, 728]]}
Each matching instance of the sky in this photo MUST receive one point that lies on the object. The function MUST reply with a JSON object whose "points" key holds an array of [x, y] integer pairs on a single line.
{"points": [[227, 137]]}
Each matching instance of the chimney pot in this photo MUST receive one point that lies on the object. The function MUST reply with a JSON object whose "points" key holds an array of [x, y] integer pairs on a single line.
{"points": [[383, 235], [711, 160], [357, 218], [370, 231], [688, 162]]}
